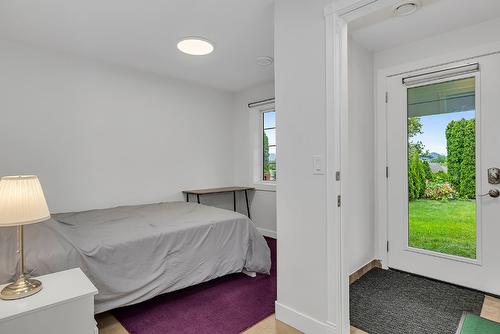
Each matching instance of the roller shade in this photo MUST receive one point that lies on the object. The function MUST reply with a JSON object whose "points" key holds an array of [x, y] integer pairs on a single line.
{"points": [[261, 103], [441, 74], [445, 97]]}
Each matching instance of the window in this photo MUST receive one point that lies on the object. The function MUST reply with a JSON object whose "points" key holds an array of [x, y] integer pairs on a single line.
{"points": [[442, 167], [269, 145]]}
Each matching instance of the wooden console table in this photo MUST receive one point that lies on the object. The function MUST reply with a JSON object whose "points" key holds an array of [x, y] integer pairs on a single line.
{"points": [[233, 190]]}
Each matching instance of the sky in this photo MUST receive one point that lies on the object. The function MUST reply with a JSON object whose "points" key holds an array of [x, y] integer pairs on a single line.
{"points": [[434, 130], [270, 122], [269, 119]]}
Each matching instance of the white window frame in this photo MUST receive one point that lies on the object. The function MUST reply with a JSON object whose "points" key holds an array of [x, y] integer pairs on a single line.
{"points": [[257, 131]]}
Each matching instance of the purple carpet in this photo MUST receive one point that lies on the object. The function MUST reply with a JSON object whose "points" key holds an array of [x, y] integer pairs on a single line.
{"points": [[227, 305]]}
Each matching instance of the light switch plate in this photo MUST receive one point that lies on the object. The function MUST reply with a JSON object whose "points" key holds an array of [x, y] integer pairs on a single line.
{"points": [[318, 165]]}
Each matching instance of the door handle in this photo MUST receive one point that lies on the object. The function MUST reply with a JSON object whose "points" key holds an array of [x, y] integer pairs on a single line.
{"points": [[494, 193]]}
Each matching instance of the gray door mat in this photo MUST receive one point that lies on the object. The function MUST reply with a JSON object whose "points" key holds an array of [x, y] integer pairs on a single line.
{"points": [[393, 302]]}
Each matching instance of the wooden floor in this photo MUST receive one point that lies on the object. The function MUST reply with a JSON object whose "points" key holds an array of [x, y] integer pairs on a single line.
{"points": [[109, 325], [491, 309]]}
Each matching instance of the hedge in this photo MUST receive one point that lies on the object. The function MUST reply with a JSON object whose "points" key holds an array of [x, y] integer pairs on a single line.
{"points": [[461, 145], [468, 166]]}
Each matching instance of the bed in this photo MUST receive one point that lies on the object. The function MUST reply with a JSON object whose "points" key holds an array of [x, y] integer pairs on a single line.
{"points": [[133, 253]]}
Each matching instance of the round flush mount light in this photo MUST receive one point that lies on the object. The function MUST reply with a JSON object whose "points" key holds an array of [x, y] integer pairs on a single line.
{"points": [[195, 46], [264, 61], [404, 8]]}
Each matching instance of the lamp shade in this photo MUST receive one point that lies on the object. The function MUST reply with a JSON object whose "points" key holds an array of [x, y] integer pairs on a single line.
{"points": [[22, 201]]}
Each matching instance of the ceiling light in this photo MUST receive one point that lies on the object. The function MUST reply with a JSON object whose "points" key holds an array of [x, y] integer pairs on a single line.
{"points": [[264, 61], [195, 46], [404, 8]]}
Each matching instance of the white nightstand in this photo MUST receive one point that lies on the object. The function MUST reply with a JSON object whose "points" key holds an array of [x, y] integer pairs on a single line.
{"points": [[64, 306]]}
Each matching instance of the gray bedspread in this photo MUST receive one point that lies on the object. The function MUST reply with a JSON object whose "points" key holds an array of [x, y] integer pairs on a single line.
{"points": [[133, 253]]}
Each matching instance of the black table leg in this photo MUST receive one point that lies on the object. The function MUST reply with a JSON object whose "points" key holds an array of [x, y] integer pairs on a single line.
{"points": [[234, 200], [248, 207], [187, 197], [198, 197]]}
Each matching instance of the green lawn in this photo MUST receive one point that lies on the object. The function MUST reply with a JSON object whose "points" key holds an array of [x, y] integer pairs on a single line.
{"points": [[444, 226]]}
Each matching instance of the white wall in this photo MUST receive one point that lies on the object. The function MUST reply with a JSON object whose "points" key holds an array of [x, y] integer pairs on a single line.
{"points": [[263, 200], [450, 42], [360, 209], [301, 197], [100, 135]]}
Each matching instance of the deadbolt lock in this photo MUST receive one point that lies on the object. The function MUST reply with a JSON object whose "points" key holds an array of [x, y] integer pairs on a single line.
{"points": [[493, 175]]}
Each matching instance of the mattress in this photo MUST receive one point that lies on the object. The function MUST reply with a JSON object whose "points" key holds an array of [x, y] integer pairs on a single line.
{"points": [[133, 253]]}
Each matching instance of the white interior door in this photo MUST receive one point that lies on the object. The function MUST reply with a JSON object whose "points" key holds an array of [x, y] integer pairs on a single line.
{"points": [[443, 135]]}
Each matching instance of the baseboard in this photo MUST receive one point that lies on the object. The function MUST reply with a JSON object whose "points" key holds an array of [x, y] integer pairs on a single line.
{"points": [[302, 322], [363, 270], [267, 233]]}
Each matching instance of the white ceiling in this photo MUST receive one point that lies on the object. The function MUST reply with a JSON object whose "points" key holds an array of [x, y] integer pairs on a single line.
{"points": [[144, 33], [382, 30]]}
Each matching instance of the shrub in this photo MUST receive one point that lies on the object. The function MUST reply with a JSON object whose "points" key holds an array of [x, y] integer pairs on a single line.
{"points": [[438, 190], [441, 177], [461, 142], [468, 165]]}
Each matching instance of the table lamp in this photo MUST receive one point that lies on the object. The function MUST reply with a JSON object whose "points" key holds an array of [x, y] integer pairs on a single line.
{"points": [[21, 202]]}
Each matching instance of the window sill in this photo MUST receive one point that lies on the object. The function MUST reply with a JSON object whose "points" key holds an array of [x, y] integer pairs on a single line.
{"points": [[265, 185]]}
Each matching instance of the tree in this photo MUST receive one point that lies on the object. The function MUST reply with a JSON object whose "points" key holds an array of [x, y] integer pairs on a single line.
{"points": [[414, 127], [412, 188], [427, 170], [266, 153], [461, 147], [468, 165], [416, 168], [422, 178], [454, 146], [416, 177]]}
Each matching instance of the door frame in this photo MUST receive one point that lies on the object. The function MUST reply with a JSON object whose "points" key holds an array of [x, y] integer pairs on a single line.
{"points": [[337, 17], [381, 192]]}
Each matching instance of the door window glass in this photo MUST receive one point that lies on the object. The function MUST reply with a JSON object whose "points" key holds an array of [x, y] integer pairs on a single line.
{"points": [[442, 167]]}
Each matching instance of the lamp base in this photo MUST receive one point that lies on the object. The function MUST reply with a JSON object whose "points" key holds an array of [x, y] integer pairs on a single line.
{"points": [[21, 288]]}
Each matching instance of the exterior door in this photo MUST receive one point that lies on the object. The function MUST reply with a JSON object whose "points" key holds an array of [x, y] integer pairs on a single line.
{"points": [[443, 142]]}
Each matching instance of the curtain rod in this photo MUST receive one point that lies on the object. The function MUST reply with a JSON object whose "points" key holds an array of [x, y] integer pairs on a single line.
{"points": [[261, 103]]}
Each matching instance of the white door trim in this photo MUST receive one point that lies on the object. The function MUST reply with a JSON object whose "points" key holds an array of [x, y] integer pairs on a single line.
{"points": [[337, 16]]}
